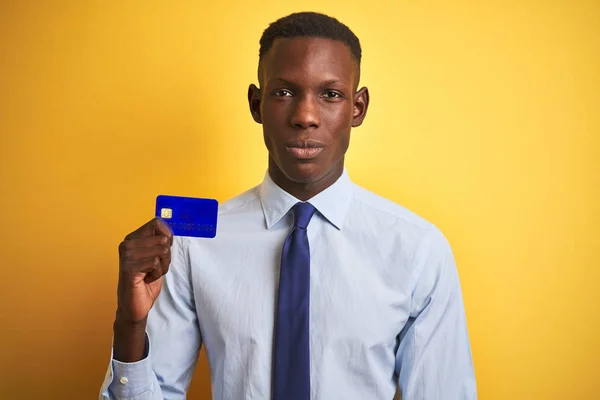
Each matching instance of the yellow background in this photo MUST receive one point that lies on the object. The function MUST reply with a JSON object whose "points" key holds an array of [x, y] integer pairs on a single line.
{"points": [[484, 119]]}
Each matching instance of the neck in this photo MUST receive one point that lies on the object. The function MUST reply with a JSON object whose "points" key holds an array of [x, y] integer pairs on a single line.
{"points": [[304, 191]]}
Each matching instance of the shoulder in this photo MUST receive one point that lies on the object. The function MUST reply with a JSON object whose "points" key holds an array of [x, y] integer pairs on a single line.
{"points": [[391, 218], [240, 202], [381, 207]]}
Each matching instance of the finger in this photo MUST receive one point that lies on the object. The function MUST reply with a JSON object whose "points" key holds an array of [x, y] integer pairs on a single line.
{"points": [[150, 265], [148, 229], [155, 273], [144, 266], [153, 227], [161, 228], [141, 253], [145, 241], [165, 262]]}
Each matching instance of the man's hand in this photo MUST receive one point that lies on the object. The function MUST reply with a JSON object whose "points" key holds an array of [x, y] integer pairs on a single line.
{"points": [[144, 258]]}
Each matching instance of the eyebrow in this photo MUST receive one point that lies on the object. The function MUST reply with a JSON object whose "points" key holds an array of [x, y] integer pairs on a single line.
{"points": [[324, 83]]}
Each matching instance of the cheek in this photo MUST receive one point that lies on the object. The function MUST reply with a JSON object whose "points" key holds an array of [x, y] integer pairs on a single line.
{"points": [[343, 144], [339, 123], [340, 114], [273, 113]]}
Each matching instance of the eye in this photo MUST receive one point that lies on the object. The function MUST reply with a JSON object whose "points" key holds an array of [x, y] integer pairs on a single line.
{"points": [[282, 93], [331, 94]]}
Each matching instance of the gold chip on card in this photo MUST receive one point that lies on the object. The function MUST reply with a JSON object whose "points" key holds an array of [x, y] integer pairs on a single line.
{"points": [[166, 213]]}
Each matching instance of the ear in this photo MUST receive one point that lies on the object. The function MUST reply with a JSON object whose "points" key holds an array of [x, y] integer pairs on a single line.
{"points": [[254, 103], [361, 104]]}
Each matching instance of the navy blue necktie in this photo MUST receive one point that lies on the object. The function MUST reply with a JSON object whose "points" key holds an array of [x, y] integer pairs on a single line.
{"points": [[291, 358]]}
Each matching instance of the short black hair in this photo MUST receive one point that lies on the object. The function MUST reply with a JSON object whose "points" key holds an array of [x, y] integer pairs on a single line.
{"points": [[310, 24]]}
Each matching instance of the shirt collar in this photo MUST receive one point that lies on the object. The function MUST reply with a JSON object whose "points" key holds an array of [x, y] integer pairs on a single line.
{"points": [[332, 203]]}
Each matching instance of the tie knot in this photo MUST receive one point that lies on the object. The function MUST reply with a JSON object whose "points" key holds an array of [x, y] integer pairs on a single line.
{"points": [[303, 212]]}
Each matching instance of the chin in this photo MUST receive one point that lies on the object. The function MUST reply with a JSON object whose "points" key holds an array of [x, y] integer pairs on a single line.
{"points": [[303, 172], [306, 172]]}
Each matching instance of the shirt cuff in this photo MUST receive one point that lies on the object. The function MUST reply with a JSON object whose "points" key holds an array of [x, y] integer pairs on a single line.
{"points": [[132, 379]]}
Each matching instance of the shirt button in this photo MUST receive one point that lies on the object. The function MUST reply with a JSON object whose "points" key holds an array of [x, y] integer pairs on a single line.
{"points": [[124, 380]]}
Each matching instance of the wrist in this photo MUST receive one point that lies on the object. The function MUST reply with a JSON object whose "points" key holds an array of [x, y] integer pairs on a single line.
{"points": [[123, 319]]}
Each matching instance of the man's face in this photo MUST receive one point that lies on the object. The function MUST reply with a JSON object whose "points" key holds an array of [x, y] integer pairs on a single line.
{"points": [[307, 104]]}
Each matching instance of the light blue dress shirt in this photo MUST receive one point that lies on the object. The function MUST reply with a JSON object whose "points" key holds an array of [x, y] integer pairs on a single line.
{"points": [[386, 304]]}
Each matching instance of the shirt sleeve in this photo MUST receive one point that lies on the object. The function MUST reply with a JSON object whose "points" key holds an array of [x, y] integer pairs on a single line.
{"points": [[434, 361], [173, 342]]}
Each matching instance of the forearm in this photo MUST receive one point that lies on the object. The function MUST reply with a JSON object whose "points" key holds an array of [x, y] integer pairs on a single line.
{"points": [[165, 344], [129, 342]]}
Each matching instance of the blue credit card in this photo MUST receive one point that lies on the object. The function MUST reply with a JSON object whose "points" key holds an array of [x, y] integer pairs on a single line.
{"points": [[188, 216]]}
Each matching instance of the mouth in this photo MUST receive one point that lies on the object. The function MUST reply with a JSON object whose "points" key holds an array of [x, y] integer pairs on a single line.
{"points": [[304, 149]]}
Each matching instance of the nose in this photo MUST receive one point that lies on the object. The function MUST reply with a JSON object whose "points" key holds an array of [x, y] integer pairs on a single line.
{"points": [[306, 113]]}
